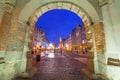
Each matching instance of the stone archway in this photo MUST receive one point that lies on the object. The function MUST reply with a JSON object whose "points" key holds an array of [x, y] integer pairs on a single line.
{"points": [[26, 31], [32, 5], [85, 18], [60, 5], [79, 7]]}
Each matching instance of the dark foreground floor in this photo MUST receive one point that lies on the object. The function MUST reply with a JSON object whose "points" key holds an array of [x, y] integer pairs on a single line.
{"points": [[59, 68]]}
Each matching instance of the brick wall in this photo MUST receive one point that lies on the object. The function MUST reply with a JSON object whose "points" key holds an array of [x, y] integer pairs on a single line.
{"points": [[99, 37], [4, 27]]}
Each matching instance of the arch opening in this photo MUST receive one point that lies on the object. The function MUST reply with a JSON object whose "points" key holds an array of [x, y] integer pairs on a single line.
{"points": [[58, 21], [86, 24], [61, 23]]}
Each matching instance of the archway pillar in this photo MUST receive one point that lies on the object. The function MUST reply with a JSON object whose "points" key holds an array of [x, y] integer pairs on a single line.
{"points": [[95, 45], [4, 26], [14, 49], [4, 33], [28, 67], [90, 57], [99, 44]]}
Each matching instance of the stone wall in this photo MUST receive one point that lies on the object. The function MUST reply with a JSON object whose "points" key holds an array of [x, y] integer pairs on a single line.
{"points": [[15, 42], [1, 10], [110, 22], [15, 46], [4, 27], [114, 11], [4, 32], [113, 70]]}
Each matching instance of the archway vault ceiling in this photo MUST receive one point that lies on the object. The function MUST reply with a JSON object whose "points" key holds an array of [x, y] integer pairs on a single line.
{"points": [[34, 9]]}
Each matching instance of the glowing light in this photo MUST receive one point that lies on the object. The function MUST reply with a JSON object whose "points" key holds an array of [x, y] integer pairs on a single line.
{"points": [[51, 55], [42, 54], [51, 46], [66, 45], [34, 48]]}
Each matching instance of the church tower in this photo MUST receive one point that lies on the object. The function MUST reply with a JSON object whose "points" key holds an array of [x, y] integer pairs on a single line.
{"points": [[60, 42]]}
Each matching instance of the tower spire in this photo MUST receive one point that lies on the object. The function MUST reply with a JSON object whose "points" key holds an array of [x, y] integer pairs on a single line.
{"points": [[60, 42]]}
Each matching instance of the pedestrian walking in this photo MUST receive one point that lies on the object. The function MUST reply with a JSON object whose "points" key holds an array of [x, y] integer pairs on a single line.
{"points": [[38, 56], [34, 54]]}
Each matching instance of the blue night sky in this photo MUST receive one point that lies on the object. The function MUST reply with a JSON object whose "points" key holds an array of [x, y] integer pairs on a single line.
{"points": [[56, 23]]}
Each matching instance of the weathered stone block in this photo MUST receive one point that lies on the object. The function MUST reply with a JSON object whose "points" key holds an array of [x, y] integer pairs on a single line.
{"points": [[99, 37], [88, 36], [90, 65], [9, 71], [90, 55], [89, 45], [86, 73]]}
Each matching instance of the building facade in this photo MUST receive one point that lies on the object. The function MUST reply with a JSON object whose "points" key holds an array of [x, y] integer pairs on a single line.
{"points": [[77, 39], [39, 37]]}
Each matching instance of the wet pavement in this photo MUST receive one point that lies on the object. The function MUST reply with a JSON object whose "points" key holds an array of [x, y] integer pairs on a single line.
{"points": [[54, 66]]}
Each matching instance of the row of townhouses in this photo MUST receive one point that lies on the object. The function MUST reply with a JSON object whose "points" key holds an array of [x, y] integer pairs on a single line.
{"points": [[76, 41]]}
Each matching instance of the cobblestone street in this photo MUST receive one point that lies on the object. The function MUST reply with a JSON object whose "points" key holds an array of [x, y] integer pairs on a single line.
{"points": [[59, 68]]}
